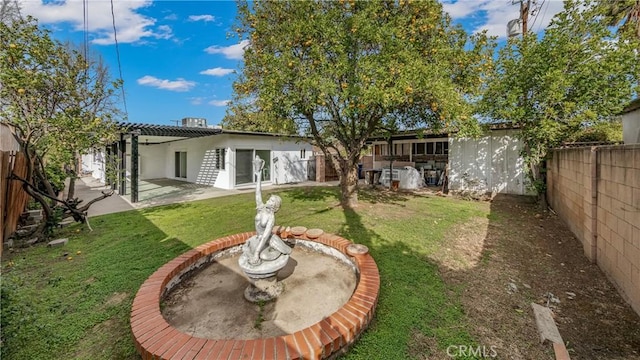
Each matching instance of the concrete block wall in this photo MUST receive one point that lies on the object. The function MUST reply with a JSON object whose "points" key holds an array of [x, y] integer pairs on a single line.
{"points": [[596, 191]]}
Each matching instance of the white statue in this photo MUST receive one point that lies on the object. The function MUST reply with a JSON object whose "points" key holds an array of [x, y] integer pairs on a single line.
{"points": [[265, 246]]}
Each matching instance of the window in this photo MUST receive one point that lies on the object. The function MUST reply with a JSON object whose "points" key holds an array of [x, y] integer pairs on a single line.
{"points": [[439, 148], [430, 148], [181, 164], [418, 148], [381, 149], [303, 153], [220, 159]]}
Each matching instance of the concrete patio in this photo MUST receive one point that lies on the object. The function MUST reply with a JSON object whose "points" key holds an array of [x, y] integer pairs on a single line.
{"points": [[164, 191]]}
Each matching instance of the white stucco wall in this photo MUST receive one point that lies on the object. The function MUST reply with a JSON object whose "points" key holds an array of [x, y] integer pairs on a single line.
{"points": [[199, 167], [631, 127], [94, 163], [151, 160], [158, 161], [289, 166], [489, 164]]}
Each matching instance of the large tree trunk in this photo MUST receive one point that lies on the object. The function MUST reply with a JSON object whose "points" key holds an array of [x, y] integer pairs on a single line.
{"points": [[71, 192], [349, 184]]}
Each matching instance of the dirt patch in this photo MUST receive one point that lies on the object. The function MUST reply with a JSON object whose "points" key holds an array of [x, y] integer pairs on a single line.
{"points": [[422, 347], [115, 299], [101, 337], [462, 246], [530, 256]]}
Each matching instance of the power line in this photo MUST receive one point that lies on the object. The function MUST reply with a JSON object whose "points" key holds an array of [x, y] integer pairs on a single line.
{"points": [[543, 15], [85, 28], [536, 10], [115, 38]]}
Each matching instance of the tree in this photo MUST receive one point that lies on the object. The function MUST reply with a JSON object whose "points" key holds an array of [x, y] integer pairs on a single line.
{"points": [[344, 70], [244, 114], [580, 73], [58, 104], [9, 11], [623, 13]]}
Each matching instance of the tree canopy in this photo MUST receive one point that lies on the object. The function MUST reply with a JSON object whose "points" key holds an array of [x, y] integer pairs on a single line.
{"points": [[622, 13], [343, 70], [580, 73], [57, 103]]}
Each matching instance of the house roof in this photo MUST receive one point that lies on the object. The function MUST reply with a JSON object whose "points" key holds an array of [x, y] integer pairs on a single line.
{"points": [[430, 133], [633, 105], [167, 130], [189, 132]]}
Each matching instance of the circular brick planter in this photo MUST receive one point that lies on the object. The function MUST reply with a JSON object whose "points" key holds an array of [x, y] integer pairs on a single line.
{"points": [[155, 338]]}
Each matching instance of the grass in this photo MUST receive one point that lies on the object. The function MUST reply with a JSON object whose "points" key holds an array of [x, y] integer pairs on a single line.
{"points": [[53, 307]]}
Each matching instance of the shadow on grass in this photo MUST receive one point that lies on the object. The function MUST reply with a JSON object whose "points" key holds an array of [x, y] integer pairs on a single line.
{"points": [[367, 194], [413, 302], [383, 195], [310, 193], [75, 301]]}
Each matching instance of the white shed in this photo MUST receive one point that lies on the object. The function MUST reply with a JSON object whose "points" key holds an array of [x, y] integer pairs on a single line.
{"points": [[631, 123], [491, 163]]}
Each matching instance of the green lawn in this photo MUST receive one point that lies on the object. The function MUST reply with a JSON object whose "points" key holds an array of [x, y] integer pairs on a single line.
{"points": [[56, 307]]}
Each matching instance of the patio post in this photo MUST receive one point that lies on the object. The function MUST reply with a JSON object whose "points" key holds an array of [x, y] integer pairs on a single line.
{"points": [[107, 162], [134, 166], [113, 161], [122, 167]]}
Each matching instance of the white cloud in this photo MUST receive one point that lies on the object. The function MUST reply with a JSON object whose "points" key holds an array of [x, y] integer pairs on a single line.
{"points": [[171, 17], [234, 52], [217, 71], [171, 85], [196, 100], [205, 18], [460, 9], [131, 26], [493, 15], [219, 102]]}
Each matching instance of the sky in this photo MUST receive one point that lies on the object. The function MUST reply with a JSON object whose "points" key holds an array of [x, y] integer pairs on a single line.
{"points": [[179, 58]]}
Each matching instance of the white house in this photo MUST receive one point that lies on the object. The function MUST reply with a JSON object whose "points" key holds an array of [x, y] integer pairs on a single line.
{"points": [[491, 163], [206, 156], [631, 123]]}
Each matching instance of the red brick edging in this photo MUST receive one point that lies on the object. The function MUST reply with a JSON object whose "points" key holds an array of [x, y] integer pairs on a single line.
{"points": [[155, 338]]}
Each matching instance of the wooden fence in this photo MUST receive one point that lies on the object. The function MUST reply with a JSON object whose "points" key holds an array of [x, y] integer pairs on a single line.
{"points": [[13, 198]]}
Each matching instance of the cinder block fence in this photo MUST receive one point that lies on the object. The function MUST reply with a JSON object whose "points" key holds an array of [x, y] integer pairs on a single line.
{"points": [[596, 191]]}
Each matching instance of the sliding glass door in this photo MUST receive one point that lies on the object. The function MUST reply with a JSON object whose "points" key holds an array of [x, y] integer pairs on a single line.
{"points": [[244, 165]]}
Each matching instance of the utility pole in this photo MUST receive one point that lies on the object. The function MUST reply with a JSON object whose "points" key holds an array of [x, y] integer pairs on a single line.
{"points": [[524, 14], [520, 26]]}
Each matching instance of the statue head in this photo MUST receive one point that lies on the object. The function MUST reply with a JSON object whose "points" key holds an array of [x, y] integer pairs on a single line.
{"points": [[274, 203]]}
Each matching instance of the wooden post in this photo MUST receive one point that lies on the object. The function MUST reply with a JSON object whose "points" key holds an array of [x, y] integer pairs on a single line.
{"points": [[16, 198], [4, 180], [134, 167]]}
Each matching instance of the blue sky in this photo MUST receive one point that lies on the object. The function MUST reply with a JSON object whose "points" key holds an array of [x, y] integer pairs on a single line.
{"points": [[178, 59]]}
